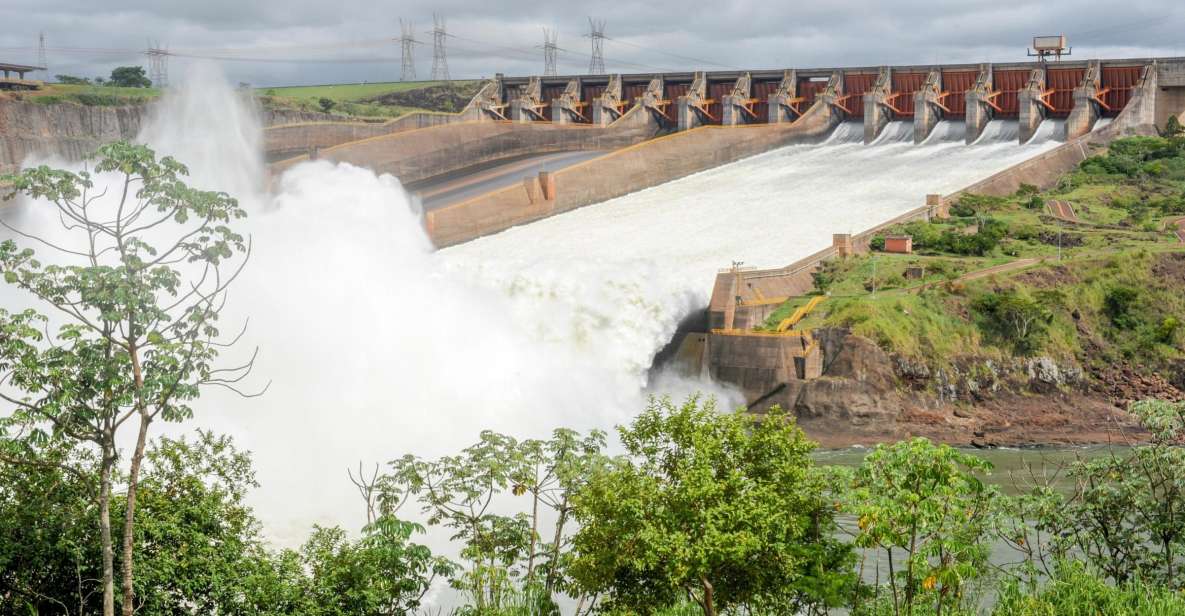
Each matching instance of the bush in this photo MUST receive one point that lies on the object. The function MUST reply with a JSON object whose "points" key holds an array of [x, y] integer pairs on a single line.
{"points": [[877, 243], [1013, 318], [1119, 305], [326, 104]]}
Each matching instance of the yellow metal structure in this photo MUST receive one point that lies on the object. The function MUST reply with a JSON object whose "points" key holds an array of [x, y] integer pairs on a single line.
{"points": [[789, 322]]}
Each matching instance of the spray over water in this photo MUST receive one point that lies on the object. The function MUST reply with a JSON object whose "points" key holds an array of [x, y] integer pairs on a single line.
{"points": [[376, 345]]}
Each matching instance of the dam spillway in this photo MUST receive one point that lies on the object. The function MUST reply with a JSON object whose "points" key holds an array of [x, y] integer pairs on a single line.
{"points": [[634, 266]]}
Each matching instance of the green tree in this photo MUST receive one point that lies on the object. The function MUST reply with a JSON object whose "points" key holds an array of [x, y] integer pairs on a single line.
{"points": [[922, 504], [140, 275], [1014, 318], [72, 80], [551, 472], [326, 104], [130, 77], [381, 574], [457, 492], [719, 508]]}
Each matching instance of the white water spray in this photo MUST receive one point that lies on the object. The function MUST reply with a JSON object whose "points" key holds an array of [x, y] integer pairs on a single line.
{"points": [[378, 346]]}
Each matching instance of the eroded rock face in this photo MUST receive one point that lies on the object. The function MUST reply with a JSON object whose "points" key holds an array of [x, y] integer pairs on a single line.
{"points": [[67, 131], [857, 392]]}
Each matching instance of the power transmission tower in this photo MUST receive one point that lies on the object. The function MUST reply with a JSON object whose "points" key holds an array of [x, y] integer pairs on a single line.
{"points": [[439, 59], [407, 41], [549, 48], [158, 64], [596, 35], [41, 57]]}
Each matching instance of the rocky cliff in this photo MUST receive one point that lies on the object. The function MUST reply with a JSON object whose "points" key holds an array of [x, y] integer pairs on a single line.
{"points": [[65, 130]]}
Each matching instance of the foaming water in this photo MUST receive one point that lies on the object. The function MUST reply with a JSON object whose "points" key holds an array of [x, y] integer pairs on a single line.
{"points": [[896, 131], [1049, 130], [999, 132], [376, 345], [666, 243], [947, 131]]}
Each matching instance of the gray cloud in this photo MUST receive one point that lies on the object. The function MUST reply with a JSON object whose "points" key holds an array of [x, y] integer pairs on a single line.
{"points": [[501, 36]]}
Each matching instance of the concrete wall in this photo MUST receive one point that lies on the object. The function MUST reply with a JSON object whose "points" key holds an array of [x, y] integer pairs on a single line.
{"points": [[287, 138], [419, 154], [622, 172]]}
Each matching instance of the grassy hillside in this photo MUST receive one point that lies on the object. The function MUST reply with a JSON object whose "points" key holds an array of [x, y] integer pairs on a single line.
{"points": [[93, 95], [1116, 294], [380, 100], [377, 100]]}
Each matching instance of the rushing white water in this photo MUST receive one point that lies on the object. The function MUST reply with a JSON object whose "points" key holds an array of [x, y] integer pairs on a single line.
{"points": [[377, 346], [654, 253]]}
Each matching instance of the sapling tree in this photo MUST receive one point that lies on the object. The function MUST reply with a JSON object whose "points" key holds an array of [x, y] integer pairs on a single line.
{"points": [[458, 492], [724, 510], [123, 328], [925, 508]]}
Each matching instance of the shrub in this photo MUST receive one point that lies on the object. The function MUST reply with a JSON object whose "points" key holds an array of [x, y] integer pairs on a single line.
{"points": [[1119, 305], [326, 104], [1013, 318]]}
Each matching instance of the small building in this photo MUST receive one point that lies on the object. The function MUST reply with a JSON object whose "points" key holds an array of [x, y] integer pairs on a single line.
{"points": [[900, 244], [915, 272]]}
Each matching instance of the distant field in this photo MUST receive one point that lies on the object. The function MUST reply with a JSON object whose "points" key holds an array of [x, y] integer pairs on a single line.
{"points": [[91, 94], [346, 91], [348, 99]]}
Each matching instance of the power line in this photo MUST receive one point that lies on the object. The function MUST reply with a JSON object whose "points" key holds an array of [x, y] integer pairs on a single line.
{"points": [[439, 58], [41, 57], [596, 37], [407, 43], [674, 55], [550, 36], [158, 64]]}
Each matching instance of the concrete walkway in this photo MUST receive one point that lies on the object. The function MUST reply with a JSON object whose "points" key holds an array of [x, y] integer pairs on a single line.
{"points": [[457, 188]]}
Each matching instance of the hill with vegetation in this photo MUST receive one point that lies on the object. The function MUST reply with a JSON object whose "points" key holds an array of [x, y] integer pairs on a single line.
{"points": [[1077, 292], [358, 100]]}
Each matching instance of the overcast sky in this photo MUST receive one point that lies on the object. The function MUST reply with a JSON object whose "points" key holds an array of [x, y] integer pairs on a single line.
{"points": [[280, 42]]}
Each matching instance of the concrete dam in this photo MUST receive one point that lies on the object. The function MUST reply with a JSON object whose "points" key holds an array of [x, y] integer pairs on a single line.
{"points": [[539, 146]]}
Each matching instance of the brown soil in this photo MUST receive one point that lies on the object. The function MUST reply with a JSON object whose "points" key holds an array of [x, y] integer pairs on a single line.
{"points": [[1008, 420]]}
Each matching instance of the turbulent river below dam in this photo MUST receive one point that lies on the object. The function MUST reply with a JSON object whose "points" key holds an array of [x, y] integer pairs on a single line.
{"points": [[376, 345]]}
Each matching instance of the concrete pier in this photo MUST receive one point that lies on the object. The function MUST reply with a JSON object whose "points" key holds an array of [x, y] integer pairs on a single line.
{"points": [[979, 104], [927, 106], [690, 106], [608, 106], [877, 111], [1086, 108], [782, 103], [567, 107], [529, 106], [1032, 105], [735, 105]]}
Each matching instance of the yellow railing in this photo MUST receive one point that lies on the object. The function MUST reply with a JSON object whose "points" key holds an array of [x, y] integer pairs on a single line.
{"points": [[800, 314]]}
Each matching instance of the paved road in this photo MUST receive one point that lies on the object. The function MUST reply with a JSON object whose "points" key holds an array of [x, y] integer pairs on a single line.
{"points": [[453, 189]]}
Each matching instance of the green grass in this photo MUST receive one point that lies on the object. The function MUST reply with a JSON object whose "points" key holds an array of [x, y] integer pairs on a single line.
{"points": [[92, 95], [350, 98], [353, 92], [935, 318]]}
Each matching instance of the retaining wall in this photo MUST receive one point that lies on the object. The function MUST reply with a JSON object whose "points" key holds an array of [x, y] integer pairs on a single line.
{"points": [[627, 170]]}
